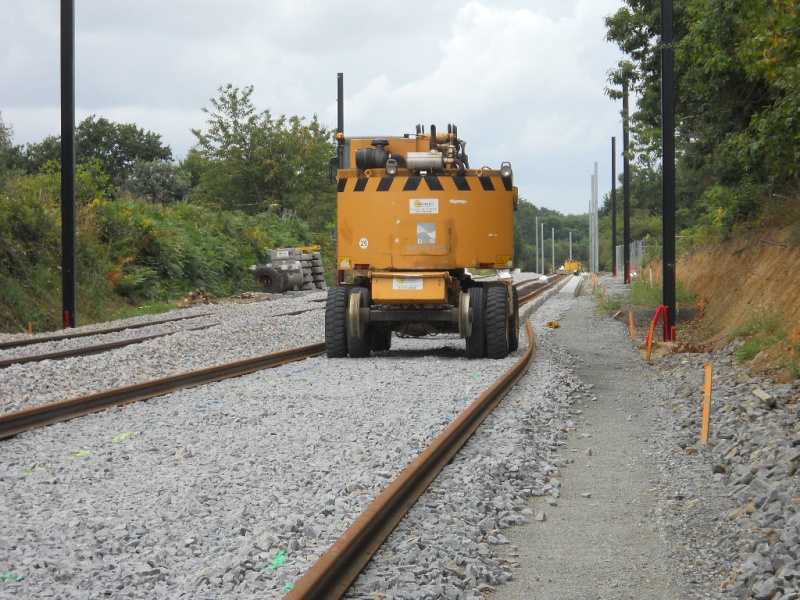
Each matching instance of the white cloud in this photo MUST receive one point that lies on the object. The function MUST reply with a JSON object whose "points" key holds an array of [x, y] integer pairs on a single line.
{"points": [[523, 79]]}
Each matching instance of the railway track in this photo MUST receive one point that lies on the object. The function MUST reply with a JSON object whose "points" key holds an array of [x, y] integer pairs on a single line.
{"points": [[92, 349], [17, 422], [106, 346], [331, 576], [69, 335]]}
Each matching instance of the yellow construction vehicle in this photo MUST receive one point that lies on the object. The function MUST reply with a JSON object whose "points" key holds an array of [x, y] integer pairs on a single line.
{"points": [[413, 218], [570, 267]]}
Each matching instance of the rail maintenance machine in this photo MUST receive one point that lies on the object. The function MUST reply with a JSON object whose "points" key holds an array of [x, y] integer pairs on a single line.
{"points": [[413, 218]]}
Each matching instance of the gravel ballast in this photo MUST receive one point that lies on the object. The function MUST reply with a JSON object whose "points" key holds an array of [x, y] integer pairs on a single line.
{"points": [[233, 490]]}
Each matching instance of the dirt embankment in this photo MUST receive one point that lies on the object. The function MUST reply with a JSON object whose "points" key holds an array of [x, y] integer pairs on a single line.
{"points": [[754, 277]]}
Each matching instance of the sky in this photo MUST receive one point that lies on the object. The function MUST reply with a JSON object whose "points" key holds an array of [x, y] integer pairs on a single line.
{"points": [[522, 79]]}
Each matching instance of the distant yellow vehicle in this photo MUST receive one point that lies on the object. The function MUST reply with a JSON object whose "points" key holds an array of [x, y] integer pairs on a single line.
{"points": [[413, 217], [571, 266]]}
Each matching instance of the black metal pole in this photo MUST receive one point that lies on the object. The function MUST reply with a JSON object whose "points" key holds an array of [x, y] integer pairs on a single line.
{"points": [[340, 119], [626, 189], [614, 206], [68, 216], [668, 168]]}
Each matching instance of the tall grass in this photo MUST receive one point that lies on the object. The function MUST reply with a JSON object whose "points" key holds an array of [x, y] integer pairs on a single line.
{"points": [[761, 331], [643, 294]]}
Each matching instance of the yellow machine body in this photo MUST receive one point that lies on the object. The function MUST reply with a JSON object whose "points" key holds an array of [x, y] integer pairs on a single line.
{"points": [[414, 223], [412, 220]]}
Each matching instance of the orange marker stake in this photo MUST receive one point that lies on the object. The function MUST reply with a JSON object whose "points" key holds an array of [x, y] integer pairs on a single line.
{"points": [[706, 407], [633, 326], [30, 326], [650, 339]]}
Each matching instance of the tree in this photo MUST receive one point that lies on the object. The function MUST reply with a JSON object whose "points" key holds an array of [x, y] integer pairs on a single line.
{"points": [[116, 145], [254, 162], [6, 146], [737, 98], [158, 181]]}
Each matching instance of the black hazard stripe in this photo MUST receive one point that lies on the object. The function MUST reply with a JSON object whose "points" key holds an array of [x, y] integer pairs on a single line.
{"points": [[486, 183], [434, 183], [412, 183]]}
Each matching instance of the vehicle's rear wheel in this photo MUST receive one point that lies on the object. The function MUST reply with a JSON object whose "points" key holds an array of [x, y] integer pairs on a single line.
{"points": [[336, 322], [476, 340], [358, 331], [497, 322]]}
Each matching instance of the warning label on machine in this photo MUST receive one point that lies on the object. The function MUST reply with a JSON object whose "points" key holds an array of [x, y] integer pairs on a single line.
{"points": [[423, 206], [407, 283]]}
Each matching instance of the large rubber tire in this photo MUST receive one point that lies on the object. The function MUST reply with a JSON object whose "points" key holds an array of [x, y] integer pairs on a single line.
{"points": [[336, 322], [497, 322], [269, 279], [359, 345], [476, 341], [513, 322]]}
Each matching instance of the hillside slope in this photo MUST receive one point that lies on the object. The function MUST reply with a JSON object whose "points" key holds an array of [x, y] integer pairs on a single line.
{"points": [[751, 278]]}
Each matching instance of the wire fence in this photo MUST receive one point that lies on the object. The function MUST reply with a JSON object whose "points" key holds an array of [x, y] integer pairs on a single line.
{"points": [[638, 250]]}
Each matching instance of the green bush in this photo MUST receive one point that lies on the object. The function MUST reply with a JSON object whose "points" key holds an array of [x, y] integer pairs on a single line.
{"points": [[129, 251], [760, 331]]}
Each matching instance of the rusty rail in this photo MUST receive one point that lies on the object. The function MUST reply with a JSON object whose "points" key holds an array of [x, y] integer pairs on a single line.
{"points": [[95, 349], [12, 424], [331, 576], [76, 334]]}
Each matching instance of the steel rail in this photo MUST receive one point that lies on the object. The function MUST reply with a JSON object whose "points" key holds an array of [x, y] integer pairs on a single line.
{"points": [[65, 336], [95, 349], [12, 424], [331, 576], [538, 288]]}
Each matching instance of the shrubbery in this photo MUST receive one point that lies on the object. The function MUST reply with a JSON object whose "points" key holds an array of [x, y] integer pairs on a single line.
{"points": [[129, 250]]}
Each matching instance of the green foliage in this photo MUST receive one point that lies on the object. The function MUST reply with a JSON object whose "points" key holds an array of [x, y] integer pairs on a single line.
{"points": [[129, 251], [253, 162], [114, 146], [27, 224], [725, 206], [643, 293], [525, 237], [150, 230], [158, 181], [737, 105], [158, 252], [6, 146], [760, 331]]}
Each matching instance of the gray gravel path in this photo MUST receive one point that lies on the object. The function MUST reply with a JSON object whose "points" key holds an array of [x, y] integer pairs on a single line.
{"points": [[595, 538], [643, 509]]}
